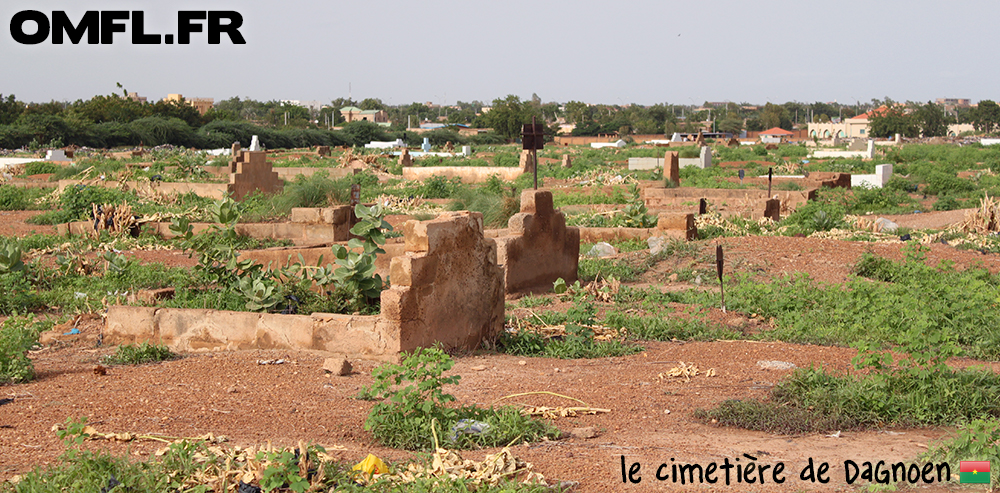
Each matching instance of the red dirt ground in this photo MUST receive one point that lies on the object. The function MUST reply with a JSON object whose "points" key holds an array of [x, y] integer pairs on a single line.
{"points": [[650, 421]]}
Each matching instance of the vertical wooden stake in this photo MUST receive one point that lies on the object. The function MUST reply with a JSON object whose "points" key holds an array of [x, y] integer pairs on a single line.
{"points": [[719, 264]]}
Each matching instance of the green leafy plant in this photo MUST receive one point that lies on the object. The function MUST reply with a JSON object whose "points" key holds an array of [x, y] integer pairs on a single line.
{"points": [[17, 336], [283, 470], [355, 274], [137, 354], [414, 408], [978, 439], [10, 255]]}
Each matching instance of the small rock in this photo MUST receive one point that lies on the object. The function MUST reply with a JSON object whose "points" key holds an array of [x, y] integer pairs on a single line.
{"points": [[588, 432], [100, 370], [478, 368], [232, 389], [338, 366], [776, 365], [672, 277], [522, 362]]}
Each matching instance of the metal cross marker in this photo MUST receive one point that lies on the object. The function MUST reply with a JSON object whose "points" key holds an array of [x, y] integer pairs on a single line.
{"points": [[533, 138], [770, 174], [720, 262]]}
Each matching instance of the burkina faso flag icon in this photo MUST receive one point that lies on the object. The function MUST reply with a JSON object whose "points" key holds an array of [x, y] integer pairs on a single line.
{"points": [[974, 472]]}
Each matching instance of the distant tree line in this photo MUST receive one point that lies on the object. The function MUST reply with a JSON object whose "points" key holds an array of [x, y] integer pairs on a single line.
{"points": [[115, 120], [930, 119]]}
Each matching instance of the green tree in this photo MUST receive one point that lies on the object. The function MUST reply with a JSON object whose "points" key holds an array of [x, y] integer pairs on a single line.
{"points": [[932, 120], [986, 117], [372, 104], [578, 113], [112, 108], [731, 124], [892, 120], [507, 116], [10, 109], [775, 115]]}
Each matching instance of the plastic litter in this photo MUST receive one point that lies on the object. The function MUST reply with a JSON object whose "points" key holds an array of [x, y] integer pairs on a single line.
{"points": [[656, 244], [371, 465], [75, 331], [886, 226], [602, 249], [468, 427]]}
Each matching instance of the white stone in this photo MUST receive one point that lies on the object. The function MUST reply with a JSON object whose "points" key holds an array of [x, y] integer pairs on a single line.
{"points": [[602, 249], [255, 144], [56, 155]]}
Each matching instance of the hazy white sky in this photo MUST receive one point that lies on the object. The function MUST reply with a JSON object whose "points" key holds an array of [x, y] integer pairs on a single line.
{"points": [[646, 52]]}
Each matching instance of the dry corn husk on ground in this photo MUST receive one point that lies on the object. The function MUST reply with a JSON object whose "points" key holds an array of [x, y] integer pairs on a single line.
{"points": [[686, 371], [601, 333], [604, 290], [985, 219], [115, 219], [448, 464], [560, 412]]}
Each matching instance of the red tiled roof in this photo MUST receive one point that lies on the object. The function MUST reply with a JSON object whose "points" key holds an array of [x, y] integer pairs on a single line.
{"points": [[868, 115], [776, 131]]}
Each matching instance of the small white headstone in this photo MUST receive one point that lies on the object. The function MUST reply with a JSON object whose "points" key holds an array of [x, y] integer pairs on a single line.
{"points": [[467, 151], [676, 137], [56, 155], [882, 173], [255, 144], [706, 157]]}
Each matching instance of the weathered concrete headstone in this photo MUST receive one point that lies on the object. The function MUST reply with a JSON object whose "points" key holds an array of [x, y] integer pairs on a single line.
{"points": [[467, 151], [700, 140], [857, 145], [772, 209], [676, 137], [706, 157], [426, 146], [540, 247], [404, 158], [567, 162], [249, 171], [671, 169], [527, 162], [323, 151], [449, 147]]}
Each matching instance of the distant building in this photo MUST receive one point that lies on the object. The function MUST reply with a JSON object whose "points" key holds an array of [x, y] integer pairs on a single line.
{"points": [[355, 114], [200, 104], [852, 128], [134, 96], [954, 102], [313, 106]]}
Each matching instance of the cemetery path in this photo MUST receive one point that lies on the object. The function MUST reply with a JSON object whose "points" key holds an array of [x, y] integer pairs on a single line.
{"points": [[650, 419]]}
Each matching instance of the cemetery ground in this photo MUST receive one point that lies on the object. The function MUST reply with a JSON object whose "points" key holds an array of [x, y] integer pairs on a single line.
{"points": [[774, 376]]}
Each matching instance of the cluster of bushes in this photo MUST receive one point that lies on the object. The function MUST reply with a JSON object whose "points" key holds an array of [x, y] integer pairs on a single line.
{"points": [[54, 131]]}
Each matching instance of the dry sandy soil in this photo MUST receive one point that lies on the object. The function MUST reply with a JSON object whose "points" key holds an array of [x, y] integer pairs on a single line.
{"points": [[650, 421]]}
